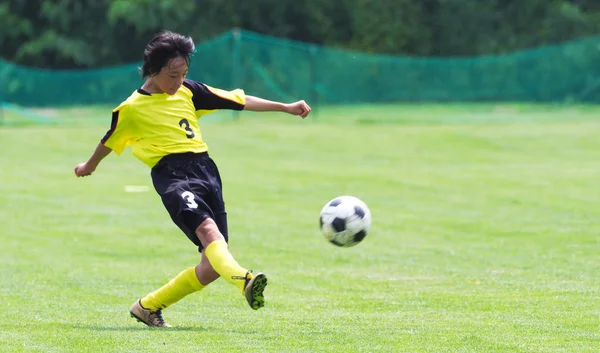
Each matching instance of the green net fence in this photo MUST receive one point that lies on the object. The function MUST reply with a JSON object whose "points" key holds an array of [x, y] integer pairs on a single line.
{"points": [[287, 70]]}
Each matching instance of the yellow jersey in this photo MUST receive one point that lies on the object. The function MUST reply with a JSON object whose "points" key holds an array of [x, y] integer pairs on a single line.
{"points": [[156, 125]]}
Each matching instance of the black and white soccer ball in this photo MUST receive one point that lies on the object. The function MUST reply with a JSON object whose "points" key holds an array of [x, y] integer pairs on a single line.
{"points": [[345, 221]]}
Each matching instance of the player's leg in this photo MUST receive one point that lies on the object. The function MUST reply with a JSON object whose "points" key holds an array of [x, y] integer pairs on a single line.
{"points": [[149, 309], [196, 205], [190, 280], [185, 283], [193, 279], [205, 272], [217, 252]]}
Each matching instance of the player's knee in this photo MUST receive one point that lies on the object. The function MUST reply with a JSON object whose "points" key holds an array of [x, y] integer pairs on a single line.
{"points": [[207, 232]]}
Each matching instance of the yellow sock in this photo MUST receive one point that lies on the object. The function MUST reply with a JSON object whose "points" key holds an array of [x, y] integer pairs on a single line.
{"points": [[221, 260], [185, 283]]}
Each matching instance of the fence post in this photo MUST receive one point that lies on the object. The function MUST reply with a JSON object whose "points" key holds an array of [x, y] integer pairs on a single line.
{"points": [[314, 94], [236, 62]]}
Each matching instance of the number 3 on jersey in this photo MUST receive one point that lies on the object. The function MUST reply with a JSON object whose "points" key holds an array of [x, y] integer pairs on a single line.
{"points": [[186, 126], [189, 199]]}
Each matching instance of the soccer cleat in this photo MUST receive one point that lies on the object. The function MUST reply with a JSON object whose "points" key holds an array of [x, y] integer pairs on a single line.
{"points": [[147, 316], [255, 285]]}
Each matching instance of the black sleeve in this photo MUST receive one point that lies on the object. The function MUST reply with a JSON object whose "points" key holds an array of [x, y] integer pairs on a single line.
{"points": [[208, 98]]}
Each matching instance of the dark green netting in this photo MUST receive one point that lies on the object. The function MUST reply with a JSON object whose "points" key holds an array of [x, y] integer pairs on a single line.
{"points": [[287, 70]]}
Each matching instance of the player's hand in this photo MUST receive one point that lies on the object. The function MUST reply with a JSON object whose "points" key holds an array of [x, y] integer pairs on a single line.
{"points": [[298, 108], [84, 169]]}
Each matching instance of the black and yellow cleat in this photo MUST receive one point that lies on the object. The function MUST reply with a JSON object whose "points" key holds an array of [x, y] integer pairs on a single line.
{"points": [[255, 285]]}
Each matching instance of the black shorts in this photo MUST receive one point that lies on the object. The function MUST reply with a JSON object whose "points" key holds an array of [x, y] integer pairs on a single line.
{"points": [[190, 187]]}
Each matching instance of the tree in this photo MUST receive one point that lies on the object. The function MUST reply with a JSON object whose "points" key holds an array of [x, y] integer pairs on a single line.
{"points": [[96, 33]]}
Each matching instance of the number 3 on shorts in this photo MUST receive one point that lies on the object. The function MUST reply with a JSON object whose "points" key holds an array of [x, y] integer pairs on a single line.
{"points": [[189, 198]]}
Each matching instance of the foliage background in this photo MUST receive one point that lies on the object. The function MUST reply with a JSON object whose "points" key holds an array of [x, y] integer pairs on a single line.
{"points": [[90, 33]]}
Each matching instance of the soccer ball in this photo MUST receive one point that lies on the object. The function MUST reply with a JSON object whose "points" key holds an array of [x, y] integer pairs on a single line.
{"points": [[345, 221]]}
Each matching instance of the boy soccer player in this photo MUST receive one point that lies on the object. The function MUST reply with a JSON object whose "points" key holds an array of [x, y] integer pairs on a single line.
{"points": [[160, 122]]}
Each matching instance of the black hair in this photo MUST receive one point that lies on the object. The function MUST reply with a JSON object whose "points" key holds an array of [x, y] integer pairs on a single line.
{"points": [[162, 48]]}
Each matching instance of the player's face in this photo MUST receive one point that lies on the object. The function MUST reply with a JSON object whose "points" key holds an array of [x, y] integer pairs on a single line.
{"points": [[171, 77]]}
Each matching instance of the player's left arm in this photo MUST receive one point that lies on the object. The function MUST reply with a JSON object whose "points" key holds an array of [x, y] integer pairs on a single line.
{"points": [[257, 104], [206, 98]]}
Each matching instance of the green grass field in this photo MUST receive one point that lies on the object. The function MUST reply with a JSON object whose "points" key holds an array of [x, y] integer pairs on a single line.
{"points": [[485, 234]]}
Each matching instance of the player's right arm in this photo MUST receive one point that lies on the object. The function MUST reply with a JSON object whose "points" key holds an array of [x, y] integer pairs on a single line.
{"points": [[116, 139], [87, 168]]}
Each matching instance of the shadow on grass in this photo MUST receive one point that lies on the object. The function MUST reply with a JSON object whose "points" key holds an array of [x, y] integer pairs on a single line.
{"points": [[141, 327], [134, 328], [130, 328]]}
